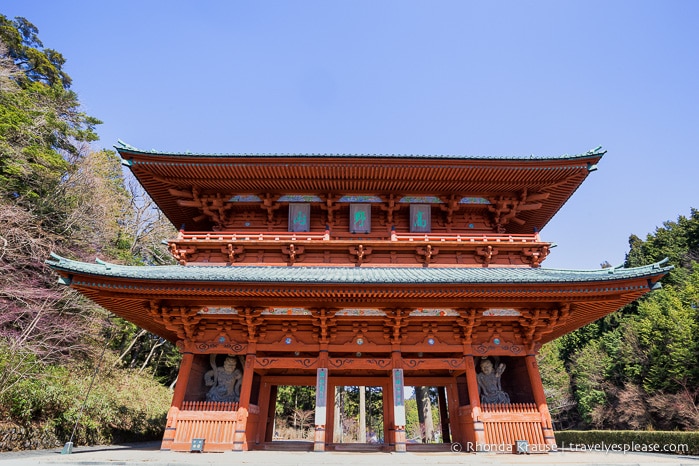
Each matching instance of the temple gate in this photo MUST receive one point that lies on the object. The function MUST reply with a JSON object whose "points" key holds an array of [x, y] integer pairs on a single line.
{"points": [[335, 270]]}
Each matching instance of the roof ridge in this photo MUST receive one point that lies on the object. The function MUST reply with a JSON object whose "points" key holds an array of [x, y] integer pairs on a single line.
{"points": [[121, 145]]}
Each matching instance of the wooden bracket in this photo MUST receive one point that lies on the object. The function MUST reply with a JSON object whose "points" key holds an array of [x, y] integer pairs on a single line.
{"points": [[485, 254], [450, 206], [330, 207], [535, 256], [390, 206], [270, 204], [505, 209], [426, 254], [183, 254], [359, 254], [293, 253], [393, 324], [325, 325], [234, 252]]}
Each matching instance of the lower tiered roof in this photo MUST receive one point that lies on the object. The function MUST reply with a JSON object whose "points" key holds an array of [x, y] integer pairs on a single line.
{"points": [[129, 291]]}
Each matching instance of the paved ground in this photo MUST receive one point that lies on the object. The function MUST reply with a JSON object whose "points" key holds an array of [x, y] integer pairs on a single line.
{"points": [[149, 454]]}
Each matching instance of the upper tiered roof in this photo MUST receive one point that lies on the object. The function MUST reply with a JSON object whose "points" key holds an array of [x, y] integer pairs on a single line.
{"points": [[542, 183]]}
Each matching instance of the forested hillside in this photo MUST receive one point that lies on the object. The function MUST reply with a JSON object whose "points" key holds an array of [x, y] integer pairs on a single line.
{"points": [[634, 369], [639, 367], [59, 194]]}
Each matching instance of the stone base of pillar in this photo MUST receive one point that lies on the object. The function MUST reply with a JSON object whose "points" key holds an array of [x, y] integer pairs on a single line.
{"points": [[319, 439], [239, 438], [400, 439]]}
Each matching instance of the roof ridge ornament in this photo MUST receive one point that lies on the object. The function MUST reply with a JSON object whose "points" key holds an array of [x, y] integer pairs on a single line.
{"points": [[106, 265], [125, 145]]}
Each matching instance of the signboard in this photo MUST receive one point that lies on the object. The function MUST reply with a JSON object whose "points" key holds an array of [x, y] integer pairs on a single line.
{"points": [[360, 218], [299, 217], [321, 396], [420, 218], [398, 398]]}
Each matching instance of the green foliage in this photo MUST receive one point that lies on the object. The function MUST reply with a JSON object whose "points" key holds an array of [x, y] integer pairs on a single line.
{"points": [[638, 368], [555, 378], [121, 405], [589, 370], [42, 128], [678, 241], [412, 417], [291, 399], [665, 330], [28, 53]]}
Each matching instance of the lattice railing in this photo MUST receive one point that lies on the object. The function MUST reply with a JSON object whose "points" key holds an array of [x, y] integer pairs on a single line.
{"points": [[220, 424], [325, 235], [504, 424], [208, 406]]}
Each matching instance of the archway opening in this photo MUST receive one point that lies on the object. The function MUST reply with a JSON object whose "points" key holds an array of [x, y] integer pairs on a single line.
{"points": [[358, 417]]}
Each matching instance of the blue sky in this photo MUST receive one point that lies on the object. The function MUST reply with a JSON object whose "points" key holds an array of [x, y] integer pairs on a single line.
{"points": [[496, 78]]}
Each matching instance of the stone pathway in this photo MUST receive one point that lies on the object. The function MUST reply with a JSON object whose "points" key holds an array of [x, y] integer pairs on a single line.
{"points": [[148, 454]]}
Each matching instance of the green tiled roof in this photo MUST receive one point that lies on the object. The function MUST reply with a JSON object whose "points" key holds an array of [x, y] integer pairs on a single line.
{"points": [[355, 275], [122, 146]]}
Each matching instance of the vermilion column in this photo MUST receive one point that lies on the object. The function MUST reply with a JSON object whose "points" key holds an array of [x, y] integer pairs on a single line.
{"points": [[540, 400], [177, 399], [475, 402], [182, 379], [240, 440]]}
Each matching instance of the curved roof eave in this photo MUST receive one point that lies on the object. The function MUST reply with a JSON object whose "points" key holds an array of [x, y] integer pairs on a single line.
{"points": [[124, 148], [354, 275]]}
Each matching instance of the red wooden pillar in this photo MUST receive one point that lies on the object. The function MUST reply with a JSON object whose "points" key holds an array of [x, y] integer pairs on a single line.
{"points": [[444, 415], [453, 404], [330, 413], [475, 402], [240, 442], [264, 403], [269, 433], [177, 399], [540, 400]]}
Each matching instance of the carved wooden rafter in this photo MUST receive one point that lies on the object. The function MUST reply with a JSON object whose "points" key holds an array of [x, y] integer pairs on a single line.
{"points": [[535, 323], [430, 330], [504, 209], [359, 330], [182, 254], [215, 207], [289, 328]]}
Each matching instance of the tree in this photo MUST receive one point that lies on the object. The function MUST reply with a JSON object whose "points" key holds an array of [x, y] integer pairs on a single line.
{"points": [[42, 129], [28, 53], [424, 413]]}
